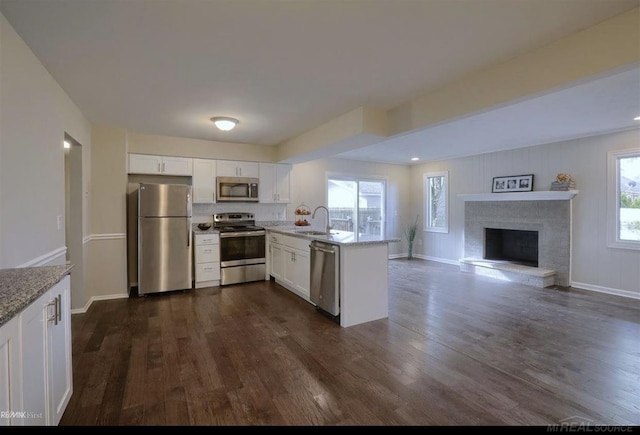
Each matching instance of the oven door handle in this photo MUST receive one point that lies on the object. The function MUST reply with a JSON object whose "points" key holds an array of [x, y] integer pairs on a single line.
{"points": [[242, 234]]}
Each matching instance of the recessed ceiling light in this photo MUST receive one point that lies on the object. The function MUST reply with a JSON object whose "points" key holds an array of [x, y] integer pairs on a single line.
{"points": [[67, 144], [637, 118], [224, 123], [415, 158]]}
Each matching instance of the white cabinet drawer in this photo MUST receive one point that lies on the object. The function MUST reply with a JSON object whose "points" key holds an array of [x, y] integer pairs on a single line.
{"points": [[300, 243], [207, 253], [208, 271], [207, 239]]}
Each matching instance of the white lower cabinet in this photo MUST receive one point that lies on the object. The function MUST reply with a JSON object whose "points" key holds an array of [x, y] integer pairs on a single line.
{"points": [[10, 395], [59, 373], [37, 362], [290, 263], [207, 260], [33, 332]]}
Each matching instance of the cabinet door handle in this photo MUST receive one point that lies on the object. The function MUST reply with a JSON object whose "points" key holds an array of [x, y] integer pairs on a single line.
{"points": [[53, 303], [159, 168], [59, 308], [162, 166]]}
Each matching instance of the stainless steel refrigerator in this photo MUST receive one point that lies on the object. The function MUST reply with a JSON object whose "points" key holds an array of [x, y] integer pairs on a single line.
{"points": [[164, 238]]}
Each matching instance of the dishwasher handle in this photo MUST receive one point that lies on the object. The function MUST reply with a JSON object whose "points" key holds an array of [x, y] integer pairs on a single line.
{"points": [[317, 248]]}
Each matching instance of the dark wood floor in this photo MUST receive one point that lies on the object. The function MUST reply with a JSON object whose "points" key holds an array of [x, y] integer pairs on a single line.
{"points": [[457, 349]]}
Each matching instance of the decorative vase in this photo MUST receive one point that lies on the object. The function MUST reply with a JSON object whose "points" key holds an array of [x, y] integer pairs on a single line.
{"points": [[410, 255]]}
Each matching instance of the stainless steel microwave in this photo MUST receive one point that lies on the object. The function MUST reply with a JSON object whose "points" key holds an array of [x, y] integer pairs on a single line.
{"points": [[236, 189]]}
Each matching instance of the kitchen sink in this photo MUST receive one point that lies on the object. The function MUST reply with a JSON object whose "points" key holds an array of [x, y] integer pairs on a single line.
{"points": [[313, 233]]}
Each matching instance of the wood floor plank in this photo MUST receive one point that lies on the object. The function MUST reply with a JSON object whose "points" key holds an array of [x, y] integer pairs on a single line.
{"points": [[456, 349]]}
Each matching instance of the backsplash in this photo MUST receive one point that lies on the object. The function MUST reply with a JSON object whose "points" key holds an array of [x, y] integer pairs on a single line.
{"points": [[261, 212]]}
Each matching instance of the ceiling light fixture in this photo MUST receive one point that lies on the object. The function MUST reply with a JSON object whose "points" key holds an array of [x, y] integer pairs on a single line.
{"points": [[67, 144], [224, 123], [637, 118], [415, 158]]}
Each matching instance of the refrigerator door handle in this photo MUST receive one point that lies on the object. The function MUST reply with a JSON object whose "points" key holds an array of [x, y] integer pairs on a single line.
{"points": [[189, 232]]}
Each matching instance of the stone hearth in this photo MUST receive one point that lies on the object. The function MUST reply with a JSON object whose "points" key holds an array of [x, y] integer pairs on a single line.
{"points": [[550, 218]]}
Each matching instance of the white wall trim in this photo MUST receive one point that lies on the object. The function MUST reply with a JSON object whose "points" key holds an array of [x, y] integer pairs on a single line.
{"points": [[438, 259], [107, 236], [425, 257], [607, 290], [46, 258], [98, 298]]}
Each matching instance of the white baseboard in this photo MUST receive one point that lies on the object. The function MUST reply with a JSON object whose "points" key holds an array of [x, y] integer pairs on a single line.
{"points": [[111, 236], [46, 258], [425, 257], [98, 298], [607, 290], [438, 259]]}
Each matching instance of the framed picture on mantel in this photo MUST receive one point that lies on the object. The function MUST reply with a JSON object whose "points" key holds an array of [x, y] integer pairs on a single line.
{"points": [[512, 183]]}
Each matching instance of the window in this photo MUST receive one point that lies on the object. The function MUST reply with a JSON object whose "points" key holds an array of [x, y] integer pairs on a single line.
{"points": [[436, 202], [357, 205], [624, 199]]}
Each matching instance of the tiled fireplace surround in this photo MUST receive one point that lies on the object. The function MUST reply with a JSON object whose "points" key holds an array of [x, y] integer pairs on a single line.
{"points": [[551, 218]]}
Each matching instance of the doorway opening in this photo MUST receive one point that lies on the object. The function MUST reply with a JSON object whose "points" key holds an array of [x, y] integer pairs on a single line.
{"points": [[73, 221]]}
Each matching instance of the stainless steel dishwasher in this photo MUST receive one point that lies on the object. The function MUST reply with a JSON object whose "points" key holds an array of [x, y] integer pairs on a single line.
{"points": [[325, 276]]}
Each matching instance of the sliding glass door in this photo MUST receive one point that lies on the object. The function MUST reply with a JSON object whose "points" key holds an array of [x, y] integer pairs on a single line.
{"points": [[357, 205]]}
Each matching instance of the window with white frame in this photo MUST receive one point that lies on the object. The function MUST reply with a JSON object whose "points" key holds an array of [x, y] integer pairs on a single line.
{"points": [[436, 202], [623, 198], [357, 205]]}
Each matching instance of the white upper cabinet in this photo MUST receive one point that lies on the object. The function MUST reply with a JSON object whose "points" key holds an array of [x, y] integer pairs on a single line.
{"points": [[275, 183], [160, 165], [204, 181], [229, 168], [177, 166]]}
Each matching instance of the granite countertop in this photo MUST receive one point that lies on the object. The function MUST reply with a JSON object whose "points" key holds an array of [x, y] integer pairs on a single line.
{"points": [[345, 238], [197, 230], [21, 286]]}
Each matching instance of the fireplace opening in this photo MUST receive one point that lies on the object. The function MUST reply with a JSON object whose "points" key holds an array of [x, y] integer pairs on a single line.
{"points": [[516, 246]]}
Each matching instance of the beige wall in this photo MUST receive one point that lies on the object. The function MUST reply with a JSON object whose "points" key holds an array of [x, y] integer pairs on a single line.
{"points": [[35, 113], [354, 129], [600, 49], [309, 186], [106, 266], [594, 265], [205, 149]]}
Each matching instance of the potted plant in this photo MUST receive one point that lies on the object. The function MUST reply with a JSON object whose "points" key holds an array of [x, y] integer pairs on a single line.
{"points": [[410, 234]]}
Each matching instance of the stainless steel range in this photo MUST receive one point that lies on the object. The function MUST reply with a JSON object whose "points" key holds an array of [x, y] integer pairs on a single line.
{"points": [[242, 248]]}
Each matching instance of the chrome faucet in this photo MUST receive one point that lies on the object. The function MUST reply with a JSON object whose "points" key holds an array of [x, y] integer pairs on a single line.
{"points": [[327, 210]]}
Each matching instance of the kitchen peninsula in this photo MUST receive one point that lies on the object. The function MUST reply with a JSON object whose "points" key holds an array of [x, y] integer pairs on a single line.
{"points": [[35, 345], [363, 269]]}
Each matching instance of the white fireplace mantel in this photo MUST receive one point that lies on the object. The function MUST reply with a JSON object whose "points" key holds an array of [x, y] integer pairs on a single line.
{"points": [[542, 195]]}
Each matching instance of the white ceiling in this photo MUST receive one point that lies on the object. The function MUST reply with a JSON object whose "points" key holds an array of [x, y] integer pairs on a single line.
{"points": [[283, 67]]}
